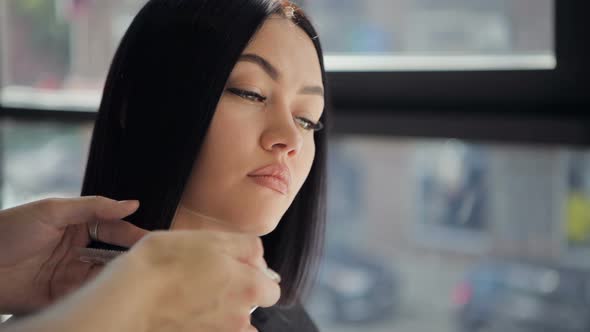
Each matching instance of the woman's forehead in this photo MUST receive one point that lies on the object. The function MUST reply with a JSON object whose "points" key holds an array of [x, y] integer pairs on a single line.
{"points": [[286, 47], [276, 29]]}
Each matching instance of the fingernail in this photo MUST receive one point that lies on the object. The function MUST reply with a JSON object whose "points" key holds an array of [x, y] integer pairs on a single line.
{"points": [[272, 274], [130, 202]]}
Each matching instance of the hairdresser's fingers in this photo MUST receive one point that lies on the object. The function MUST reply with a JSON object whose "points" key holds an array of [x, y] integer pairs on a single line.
{"points": [[250, 329], [67, 211], [259, 288], [119, 232], [245, 248]]}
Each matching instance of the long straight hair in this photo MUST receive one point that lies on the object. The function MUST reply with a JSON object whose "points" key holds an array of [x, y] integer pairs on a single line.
{"points": [[160, 95]]}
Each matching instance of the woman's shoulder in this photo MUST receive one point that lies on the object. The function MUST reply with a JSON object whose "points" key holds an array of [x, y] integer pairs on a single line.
{"points": [[283, 319]]}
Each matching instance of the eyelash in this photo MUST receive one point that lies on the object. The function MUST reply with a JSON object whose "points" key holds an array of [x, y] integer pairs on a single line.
{"points": [[255, 97]]}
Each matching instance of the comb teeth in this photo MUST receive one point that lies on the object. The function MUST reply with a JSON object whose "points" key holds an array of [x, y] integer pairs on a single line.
{"points": [[94, 255]]}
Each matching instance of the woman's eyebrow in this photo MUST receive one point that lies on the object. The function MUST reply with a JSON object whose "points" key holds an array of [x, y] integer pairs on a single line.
{"points": [[312, 90], [265, 65], [273, 72]]}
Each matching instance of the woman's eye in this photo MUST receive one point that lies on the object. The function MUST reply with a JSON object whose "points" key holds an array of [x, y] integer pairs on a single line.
{"points": [[256, 97], [308, 124], [249, 95]]}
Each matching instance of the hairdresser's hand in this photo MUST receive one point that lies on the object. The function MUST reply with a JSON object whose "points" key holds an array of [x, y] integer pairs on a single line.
{"points": [[202, 280], [39, 262], [177, 281]]}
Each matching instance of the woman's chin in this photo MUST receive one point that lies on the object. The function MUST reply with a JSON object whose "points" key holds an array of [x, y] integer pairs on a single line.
{"points": [[255, 223], [258, 228], [266, 230]]}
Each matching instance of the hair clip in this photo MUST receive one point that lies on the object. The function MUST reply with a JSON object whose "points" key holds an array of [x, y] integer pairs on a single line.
{"points": [[289, 12]]}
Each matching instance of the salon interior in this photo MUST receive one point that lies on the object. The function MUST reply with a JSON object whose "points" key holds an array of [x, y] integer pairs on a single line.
{"points": [[458, 152]]}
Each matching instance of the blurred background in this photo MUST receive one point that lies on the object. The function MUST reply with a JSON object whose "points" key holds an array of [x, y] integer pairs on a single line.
{"points": [[459, 174]]}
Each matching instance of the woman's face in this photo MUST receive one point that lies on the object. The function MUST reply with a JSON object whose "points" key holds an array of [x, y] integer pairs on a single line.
{"points": [[265, 117]]}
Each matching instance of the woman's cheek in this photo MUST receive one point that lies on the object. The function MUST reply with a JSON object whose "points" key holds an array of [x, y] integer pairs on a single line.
{"points": [[307, 157]]}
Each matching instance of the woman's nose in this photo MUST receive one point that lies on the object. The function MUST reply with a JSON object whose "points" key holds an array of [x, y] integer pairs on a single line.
{"points": [[282, 134]]}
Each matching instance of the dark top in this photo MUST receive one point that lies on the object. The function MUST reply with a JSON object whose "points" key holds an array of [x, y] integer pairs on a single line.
{"points": [[275, 319]]}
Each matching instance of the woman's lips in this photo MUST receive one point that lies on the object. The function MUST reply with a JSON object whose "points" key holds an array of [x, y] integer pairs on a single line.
{"points": [[271, 182], [274, 176]]}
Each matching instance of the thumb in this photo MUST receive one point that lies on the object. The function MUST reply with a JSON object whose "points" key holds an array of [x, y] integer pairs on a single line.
{"points": [[69, 211]]}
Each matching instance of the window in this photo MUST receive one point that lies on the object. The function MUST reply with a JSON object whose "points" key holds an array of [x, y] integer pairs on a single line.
{"points": [[382, 35], [55, 53], [410, 219], [42, 159]]}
